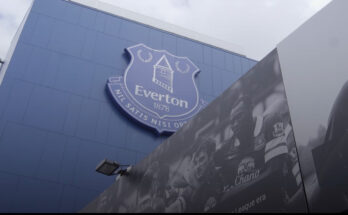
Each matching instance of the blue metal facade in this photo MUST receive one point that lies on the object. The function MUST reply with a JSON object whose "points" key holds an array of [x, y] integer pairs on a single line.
{"points": [[56, 119]]}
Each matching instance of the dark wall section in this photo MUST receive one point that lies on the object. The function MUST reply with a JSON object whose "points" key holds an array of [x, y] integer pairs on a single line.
{"points": [[237, 155], [56, 119], [331, 158], [315, 70]]}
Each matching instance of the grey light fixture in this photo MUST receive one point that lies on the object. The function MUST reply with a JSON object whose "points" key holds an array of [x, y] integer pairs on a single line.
{"points": [[108, 167], [1, 63]]}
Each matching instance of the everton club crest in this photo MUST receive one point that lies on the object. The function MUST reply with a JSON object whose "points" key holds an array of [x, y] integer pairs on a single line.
{"points": [[157, 89]]}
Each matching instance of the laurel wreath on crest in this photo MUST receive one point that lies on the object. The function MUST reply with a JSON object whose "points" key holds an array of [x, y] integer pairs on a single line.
{"points": [[177, 66], [149, 59]]}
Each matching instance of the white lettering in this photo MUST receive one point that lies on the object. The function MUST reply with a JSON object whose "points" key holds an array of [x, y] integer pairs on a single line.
{"points": [[183, 103], [174, 101], [160, 97], [147, 93], [120, 95], [154, 96], [136, 112], [242, 179], [138, 90], [154, 121], [179, 124], [160, 123], [141, 92]]}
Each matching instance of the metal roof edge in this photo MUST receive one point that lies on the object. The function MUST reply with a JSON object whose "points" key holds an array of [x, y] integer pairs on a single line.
{"points": [[156, 23]]}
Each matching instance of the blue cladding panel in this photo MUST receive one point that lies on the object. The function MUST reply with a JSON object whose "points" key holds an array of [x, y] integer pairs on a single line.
{"points": [[134, 32], [18, 101], [230, 60], [20, 60], [217, 81], [47, 196], [29, 28], [68, 38], [218, 58], [103, 123], [87, 18], [5, 90], [192, 50], [8, 186], [208, 98], [21, 154], [169, 43], [84, 197], [89, 45], [100, 22], [101, 75], [52, 69], [69, 160], [204, 80], [72, 13], [245, 65], [70, 123], [207, 55], [47, 109], [238, 66], [140, 139], [51, 160], [88, 119], [127, 156], [57, 121], [37, 66], [43, 31], [112, 25], [52, 8], [117, 131], [110, 51], [140, 156], [68, 199], [155, 39], [74, 76], [228, 79]]}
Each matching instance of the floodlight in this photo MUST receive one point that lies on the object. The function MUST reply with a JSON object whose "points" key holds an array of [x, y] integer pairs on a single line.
{"points": [[1, 63], [108, 167]]}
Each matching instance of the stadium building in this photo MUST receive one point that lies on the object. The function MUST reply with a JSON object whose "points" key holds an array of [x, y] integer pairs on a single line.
{"points": [[57, 117]]}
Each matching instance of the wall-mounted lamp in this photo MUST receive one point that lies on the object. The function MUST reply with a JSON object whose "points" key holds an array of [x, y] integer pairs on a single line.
{"points": [[108, 168], [1, 63]]}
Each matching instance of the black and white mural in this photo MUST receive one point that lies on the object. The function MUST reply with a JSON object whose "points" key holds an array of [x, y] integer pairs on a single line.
{"points": [[237, 155]]}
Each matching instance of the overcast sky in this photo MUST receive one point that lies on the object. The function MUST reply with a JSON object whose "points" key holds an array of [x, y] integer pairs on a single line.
{"points": [[255, 25]]}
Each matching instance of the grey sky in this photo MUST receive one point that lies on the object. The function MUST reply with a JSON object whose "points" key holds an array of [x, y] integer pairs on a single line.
{"points": [[255, 25]]}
